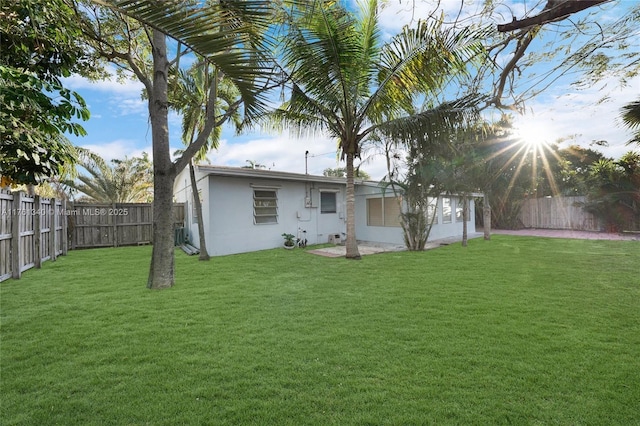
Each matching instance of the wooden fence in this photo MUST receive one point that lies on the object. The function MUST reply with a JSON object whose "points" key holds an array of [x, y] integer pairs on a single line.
{"points": [[35, 229], [557, 213], [32, 230], [114, 225]]}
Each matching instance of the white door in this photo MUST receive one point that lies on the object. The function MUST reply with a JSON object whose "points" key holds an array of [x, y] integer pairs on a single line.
{"points": [[330, 216]]}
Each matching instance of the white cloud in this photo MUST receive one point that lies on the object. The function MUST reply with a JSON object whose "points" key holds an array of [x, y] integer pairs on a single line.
{"points": [[128, 88], [287, 153], [282, 152], [117, 149], [394, 14], [582, 116], [122, 97]]}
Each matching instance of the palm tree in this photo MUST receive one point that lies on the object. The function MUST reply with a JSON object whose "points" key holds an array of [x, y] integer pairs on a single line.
{"points": [[345, 82], [191, 98], [229, 34], [614, 192], [631, 118], [253, 164], [126, 181], [341, 172]]}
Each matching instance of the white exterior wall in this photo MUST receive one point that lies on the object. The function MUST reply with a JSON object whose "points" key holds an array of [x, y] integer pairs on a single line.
{"points": [[183, 193], [454, 228], [380, 234], [228, 214], [393, 234], [231, 228]]}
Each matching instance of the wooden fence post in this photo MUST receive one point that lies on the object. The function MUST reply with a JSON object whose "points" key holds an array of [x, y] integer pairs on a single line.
{"points": [[65, 227], [15, 233], [52, 230], [74, 230], [113, 218], [37, 231]]}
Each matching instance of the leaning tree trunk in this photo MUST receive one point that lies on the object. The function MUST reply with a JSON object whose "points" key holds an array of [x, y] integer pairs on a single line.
{"points": [[161, 272], [486, 216], [351, 244], [204, 254]]}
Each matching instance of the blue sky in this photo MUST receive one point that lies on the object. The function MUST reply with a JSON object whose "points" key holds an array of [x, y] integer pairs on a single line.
{"points": [[119, 122]]}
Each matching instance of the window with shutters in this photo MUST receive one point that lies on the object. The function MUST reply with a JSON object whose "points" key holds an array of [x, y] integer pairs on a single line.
{"points": [[265, 206], [383, 211]]}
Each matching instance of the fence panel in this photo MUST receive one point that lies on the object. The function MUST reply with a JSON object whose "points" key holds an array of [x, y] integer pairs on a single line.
{"points": [[6, 224], [113, 225], [32, 230], [557, 213]]}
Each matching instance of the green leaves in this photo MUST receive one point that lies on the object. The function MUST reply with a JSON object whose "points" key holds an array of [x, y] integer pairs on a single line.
{"points": [[35, 115], [40, 42], [631, 119], [124, 181]]}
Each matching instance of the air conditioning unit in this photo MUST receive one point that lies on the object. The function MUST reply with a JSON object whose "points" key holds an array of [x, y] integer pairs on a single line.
{"points": [[335, 239]]}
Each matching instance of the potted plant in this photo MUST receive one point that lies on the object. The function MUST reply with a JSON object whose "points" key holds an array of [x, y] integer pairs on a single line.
{"points": [[289, 243]]}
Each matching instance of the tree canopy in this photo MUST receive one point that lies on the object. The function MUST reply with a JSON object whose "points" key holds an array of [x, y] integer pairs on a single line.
{"points": [[128, 180], [41, 43], [346, 81]]}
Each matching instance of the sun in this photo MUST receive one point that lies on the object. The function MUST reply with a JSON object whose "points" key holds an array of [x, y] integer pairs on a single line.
{"points": [[535, 142], [534, 134]]}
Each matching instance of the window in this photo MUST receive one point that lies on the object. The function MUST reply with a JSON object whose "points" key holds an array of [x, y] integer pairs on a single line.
{"points": [[383, 211], [265, 206], [446, 210], [328, 202], [194, 210], [459, 206], [458, 210], [432, 210]]}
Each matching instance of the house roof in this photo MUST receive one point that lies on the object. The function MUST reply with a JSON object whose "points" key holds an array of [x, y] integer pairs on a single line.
{"points": [[267, 174], [210, 170]]}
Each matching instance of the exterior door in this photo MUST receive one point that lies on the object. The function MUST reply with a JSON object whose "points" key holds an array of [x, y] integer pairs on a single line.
{"points": [[330, 216]]}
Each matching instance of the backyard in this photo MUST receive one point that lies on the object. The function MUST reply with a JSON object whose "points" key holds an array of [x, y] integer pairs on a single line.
{"points": [[517, 330]]}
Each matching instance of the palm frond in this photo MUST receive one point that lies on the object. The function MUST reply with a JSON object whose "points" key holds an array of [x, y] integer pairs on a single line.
{"points": [[229, 34], [434, 125]]}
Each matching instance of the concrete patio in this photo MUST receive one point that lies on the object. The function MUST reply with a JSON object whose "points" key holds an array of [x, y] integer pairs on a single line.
{"points": [[368, 247]]}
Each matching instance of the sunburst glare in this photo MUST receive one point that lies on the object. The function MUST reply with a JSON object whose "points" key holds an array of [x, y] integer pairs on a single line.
{"points": [[536, 139], [532, 133]]}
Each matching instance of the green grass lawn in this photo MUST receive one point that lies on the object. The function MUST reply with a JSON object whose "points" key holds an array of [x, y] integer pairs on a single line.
{"points": [[515, 330]]}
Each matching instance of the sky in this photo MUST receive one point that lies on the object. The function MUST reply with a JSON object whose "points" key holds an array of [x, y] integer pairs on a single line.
{"points": [[119, 124]]}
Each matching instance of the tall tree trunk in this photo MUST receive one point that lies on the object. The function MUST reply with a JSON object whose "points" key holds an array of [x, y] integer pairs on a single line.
{"points": [[486, 216], [465, 216], [204, 254], [161, 272], [352, 243]]}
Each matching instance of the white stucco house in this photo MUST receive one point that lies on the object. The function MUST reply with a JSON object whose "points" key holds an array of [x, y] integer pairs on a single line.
{"points": [[249, 209]]}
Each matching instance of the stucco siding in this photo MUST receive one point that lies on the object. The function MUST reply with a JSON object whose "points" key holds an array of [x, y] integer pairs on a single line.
{"points": [[309, 207], [366, 232], [232, 225], [393, 234]]}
